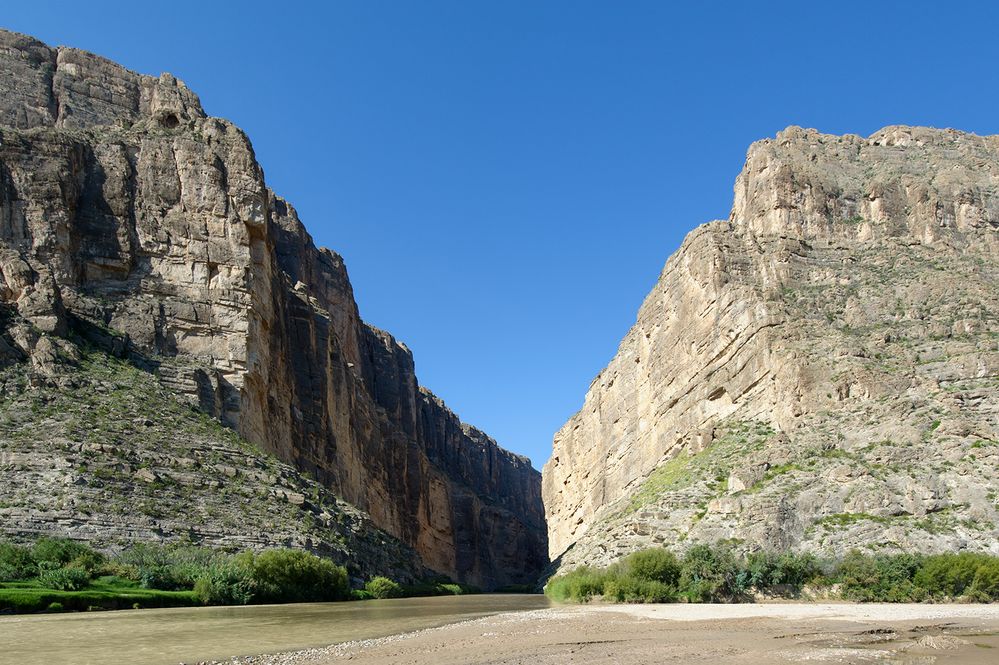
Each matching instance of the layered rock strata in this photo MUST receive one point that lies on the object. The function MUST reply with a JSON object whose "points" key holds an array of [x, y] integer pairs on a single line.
{"points": [[98, 450], [130, 218], [820, 371]]}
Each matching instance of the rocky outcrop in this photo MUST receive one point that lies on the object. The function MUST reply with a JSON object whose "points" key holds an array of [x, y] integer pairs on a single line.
{"points": [[97, 450], [820, 371], [131, 218]]}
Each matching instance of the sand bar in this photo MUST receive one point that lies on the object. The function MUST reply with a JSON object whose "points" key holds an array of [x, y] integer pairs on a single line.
{"points": [[629, 634]]}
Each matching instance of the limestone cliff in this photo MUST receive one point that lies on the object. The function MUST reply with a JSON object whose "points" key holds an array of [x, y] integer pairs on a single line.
{"points": [[820, 371], [131, 219], [98, 450]]}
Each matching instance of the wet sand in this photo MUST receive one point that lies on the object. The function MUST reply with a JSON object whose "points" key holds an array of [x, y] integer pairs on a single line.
{"points": [[631, 634]]}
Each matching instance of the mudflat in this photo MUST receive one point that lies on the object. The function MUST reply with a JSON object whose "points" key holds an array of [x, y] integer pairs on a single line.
{"points": [[627, 634]]}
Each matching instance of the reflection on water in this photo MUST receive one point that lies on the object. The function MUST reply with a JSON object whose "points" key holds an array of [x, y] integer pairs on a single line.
{"points": [[171, 636]]}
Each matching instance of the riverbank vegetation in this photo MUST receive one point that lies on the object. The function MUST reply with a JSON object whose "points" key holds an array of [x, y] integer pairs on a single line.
{"points": [[61, 575], [714, 573]]}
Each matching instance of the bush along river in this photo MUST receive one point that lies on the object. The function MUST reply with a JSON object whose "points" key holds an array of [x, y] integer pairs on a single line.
{"points": [[274, 600]]}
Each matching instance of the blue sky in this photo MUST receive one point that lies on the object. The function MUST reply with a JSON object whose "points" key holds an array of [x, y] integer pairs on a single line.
{"points": [[506, 179]]}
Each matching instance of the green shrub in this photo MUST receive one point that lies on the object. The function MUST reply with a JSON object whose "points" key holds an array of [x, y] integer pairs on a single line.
{"points": [[579, 585], [383, 587], [16, 563], [653, 576], [985, 586], [795, 570], [54, 607], [757, 570], [114, 581], [620, 582], [78, 577], [150, 565], [91, 561], [64, 578], [769, 571], [709, 574], [227, 582], [949, 575], [38, 600], [882, 578], [166, 567], [626, 589], [115, 568], [286, 575], [62, 551], [654, 565]]}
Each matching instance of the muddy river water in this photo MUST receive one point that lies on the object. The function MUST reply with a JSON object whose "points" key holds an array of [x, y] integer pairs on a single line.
{"points": [[171, 636]]}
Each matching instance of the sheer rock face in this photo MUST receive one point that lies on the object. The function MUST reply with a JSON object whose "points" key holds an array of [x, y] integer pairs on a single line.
{"points": [[129, 216], [849, 308]]}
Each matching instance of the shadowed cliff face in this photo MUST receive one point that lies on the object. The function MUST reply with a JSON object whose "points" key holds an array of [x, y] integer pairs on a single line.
{"points": [[820, 371], [129, 216]]}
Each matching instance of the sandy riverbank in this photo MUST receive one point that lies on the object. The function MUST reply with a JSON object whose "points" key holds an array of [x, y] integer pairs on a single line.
{"points": [[626, 634]]}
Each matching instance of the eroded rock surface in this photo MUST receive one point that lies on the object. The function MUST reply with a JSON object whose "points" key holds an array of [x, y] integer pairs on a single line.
{"points": [[103, 452], [131, 219], [820, 371]]}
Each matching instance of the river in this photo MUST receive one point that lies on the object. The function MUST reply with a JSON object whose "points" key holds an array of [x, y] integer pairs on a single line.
{"points": [[191, 634]]}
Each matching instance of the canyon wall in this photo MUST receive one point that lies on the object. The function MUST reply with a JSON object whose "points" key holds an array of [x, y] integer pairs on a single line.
{"points": [[820, 371], [131, 219]]}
